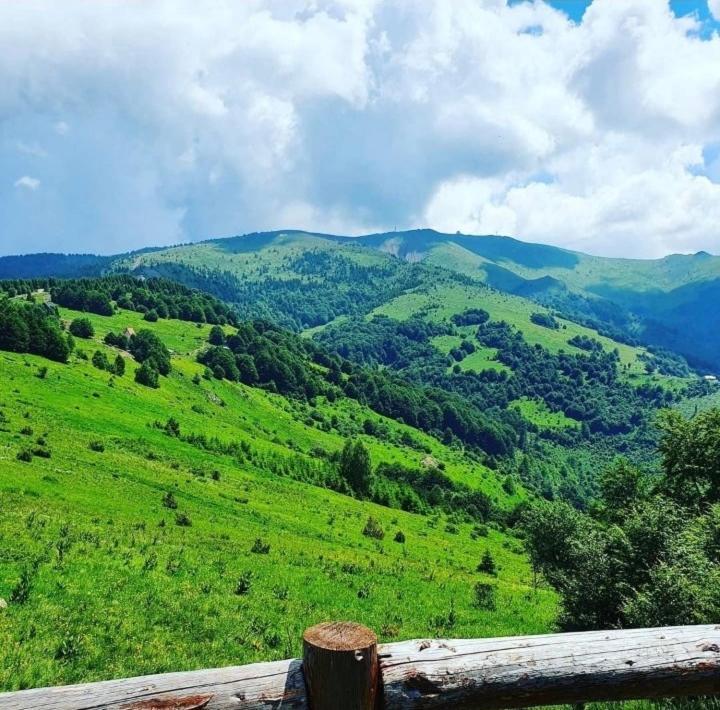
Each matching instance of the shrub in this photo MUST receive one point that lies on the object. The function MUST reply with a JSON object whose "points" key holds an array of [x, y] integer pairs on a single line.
{"points": [[97, 446], [21, 591], [545, 320], [487, 564], [480, 530], [399, 536], [119, 366], [172, 427], [82, 328], [182, 520], [485, 596], [26, 431], [42, 453], [147, 375], [169, 501], [244, 583], [151, 316], [373, 529], [260, 547], [217, 335], [25, 455], [99, 359], [42, 372]]}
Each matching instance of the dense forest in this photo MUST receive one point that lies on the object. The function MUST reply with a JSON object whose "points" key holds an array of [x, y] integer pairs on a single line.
{"points": [[156, 298], [648, 552]]}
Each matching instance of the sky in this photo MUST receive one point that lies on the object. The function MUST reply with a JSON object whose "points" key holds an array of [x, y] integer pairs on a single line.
{"points": [[589, 125]]}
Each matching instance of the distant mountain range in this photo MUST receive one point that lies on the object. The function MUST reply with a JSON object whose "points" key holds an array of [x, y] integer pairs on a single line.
{"points": [[670, 302]]}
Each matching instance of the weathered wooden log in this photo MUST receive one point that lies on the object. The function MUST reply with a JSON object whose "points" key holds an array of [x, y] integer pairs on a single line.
{"points": [[494, 673], [552, 669], [341, 666], [259, 686]]}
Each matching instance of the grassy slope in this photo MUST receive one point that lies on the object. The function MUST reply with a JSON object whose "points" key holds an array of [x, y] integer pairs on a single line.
{"points": [[116, 591], [441, 301]]}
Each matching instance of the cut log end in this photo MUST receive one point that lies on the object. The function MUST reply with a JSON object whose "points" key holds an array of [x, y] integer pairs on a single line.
{"points": [[340, 636], [341, 666]]}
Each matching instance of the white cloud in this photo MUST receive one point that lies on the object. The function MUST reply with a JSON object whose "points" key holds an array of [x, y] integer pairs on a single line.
{"points": [[345, 115], [27, 183], [714, 7]]}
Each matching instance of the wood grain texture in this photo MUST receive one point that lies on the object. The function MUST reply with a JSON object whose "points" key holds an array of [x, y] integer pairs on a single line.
{"points": [[261, 686], [341, 666], [508, 672], [518, 672]]}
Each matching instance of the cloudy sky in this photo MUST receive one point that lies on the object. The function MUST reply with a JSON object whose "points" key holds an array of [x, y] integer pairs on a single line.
{"points": [[594, 126]]}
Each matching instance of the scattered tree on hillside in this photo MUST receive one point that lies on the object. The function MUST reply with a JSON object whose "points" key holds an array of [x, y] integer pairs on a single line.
{"points": [[355, 467], [82, 328]]}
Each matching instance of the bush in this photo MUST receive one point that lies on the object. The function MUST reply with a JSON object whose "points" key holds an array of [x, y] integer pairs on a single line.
{"points": [[169, 501], [373, 529], [399, 537], [42, 372], [147, 375], [82, 328], [487, 564], [485, 596], [119, 366], [151, 316], [96, 446], [480, 530], [21, 591], [25, 455], [260, 547], [545, 320], [243, 584], [182, 520], [99, 359], [217, 335]]}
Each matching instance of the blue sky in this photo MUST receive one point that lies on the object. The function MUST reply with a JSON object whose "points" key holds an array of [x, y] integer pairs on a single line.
{"points": [[593, 126], [575, 9]]}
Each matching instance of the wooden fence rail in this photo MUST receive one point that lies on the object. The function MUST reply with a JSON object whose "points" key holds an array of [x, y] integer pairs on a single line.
{"points": [[343, 668]]}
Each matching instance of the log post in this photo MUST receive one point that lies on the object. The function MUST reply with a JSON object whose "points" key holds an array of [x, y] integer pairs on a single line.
{"points": [[340, 663]]}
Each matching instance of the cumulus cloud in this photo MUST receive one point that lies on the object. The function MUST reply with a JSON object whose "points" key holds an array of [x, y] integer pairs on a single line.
{"points": [[157, 123], [714, 7]]}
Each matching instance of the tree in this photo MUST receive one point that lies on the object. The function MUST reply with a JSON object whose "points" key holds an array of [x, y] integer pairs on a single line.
{"points": [[151, 316], [145, 346], [355, 467], [147, 375], [691, 456], [487, 564], [217, 335], [14, 331], [119, 367], [99, 359], [82, 328], [621, 486]]}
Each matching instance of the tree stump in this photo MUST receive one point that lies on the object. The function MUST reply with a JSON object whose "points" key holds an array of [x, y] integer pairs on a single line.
{"points": [[341, 666]]}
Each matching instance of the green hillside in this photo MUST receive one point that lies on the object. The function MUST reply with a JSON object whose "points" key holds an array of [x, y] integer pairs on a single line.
{"points": [[103, 579], [665, 302]]}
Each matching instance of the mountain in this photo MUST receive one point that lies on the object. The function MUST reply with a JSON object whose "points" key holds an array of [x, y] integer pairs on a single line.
{"points": [[667, 303], [245, 436]]}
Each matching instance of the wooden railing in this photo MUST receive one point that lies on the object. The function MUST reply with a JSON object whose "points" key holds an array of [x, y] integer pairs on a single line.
{"points": [[343, 668]]}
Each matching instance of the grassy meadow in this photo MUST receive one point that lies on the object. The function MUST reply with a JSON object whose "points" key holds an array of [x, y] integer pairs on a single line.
{"points": [[104, 575]]}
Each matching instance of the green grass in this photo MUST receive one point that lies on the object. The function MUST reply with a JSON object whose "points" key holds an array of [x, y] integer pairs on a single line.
{"points": [[117, 588], [537, 412], [442, 301]]}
